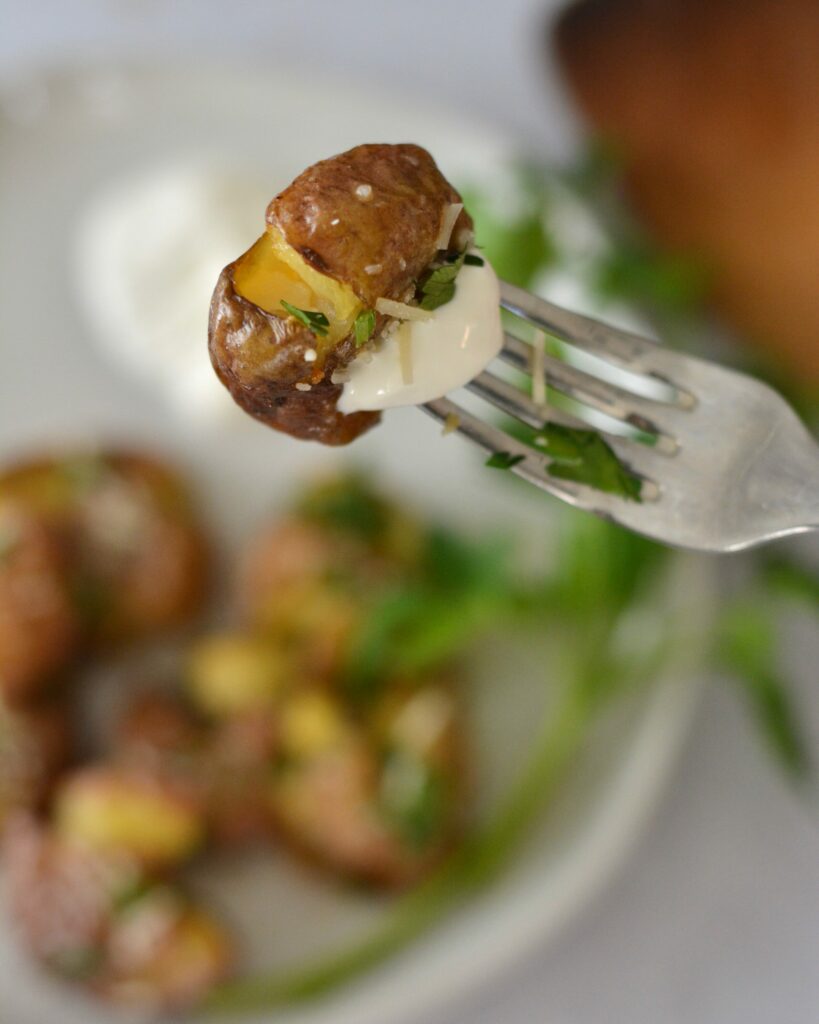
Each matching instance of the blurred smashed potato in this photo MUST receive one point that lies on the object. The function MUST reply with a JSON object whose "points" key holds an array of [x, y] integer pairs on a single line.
{"points": [[284, 727], [40, 626], [137, 559]]}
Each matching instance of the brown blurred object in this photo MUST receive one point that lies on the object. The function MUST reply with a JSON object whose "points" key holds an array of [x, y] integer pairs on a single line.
{"points": [[39, 628], [35, 747], [137, 556], [714, 105], [93, 917]]}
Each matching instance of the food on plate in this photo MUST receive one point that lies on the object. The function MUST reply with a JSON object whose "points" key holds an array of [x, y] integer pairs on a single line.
{"points": [[307, 578], [39, 624], [107, 807], [306, 722], [95, 917], [712, 105], [242, 757], [373, 797], [366, 258], [368, 779], [236, 672], [136, 555], [35, 746], [220, 765]]}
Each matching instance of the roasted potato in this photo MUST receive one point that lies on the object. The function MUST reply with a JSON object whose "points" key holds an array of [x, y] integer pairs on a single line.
{"points": [[39, 624], [96, 918], [362, 226], [240, 762], [713, 106], [237, 673], [113, 809], [156, 725], [137, 555], [188, 954], [222, 764], [374, 800], [35, 746]]}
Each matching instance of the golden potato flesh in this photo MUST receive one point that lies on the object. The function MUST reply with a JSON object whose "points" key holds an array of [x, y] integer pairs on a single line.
{"points": [[363, 225], [114, 810]]}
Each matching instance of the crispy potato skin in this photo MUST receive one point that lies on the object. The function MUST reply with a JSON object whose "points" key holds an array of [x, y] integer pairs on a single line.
{"points": [[341, 233], [136, 558], [39, 628], [259, 358], [36, 744], [378, 243], [64, 900], [713, 106]]}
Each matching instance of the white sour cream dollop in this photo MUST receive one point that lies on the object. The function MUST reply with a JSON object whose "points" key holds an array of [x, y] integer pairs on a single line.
{"points": [[424, 359], [148, 251]]}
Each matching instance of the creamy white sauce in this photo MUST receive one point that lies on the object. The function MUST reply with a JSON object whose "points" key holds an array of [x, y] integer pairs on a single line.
{"points": [[148, 252], [422, 360]]}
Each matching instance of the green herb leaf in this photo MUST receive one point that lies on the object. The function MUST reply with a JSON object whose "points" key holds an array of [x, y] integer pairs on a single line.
{"points": [[412, 798], [135, 890], [504, 460], [584, 457], [349, 504], [363, 327], [747, 647], [519, 248], [317, 322], [471, 259], [438, 287], [416, 625], [792, 580]]}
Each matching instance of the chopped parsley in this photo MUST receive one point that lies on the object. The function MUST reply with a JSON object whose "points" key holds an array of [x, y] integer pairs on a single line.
{"points": [[584, 457], [438, 286], [504, 460], [363, 327], [747, 647], [348, 504], [132, 892], [317, 322], [413, 798]]}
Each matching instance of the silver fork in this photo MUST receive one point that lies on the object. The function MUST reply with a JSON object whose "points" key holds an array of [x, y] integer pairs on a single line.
{"points": [[729, 466]]}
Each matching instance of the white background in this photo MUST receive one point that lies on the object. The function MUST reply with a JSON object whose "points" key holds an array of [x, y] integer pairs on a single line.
{"points": [[715, 919]]}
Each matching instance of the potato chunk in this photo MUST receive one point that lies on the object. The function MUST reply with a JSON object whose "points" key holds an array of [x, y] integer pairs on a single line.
{"points": [[363, 225]]}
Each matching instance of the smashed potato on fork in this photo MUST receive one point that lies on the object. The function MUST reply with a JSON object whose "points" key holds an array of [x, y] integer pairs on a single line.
{"points": [[293, 310]]}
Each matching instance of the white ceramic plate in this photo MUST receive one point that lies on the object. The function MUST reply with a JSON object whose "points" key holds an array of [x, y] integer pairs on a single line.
{"points": [[62, 138]]}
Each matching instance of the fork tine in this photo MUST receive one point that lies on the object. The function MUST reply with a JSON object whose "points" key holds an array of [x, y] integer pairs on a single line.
{"points": [[504, 396], [493, 440], [627, 350], [512, 401], [633, 410], [534, 464]]}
